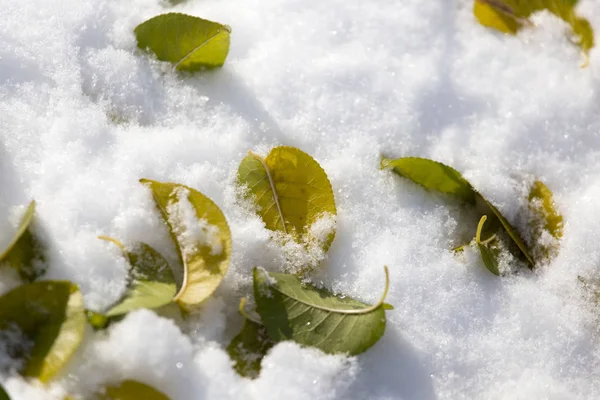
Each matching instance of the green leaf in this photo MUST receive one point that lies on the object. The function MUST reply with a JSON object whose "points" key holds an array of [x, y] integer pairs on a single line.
{"points": [[132, 390], [151, 282], [509, 16], [487, 255], [202, 237], [97, 320], [249, 347], [546, 217], [432, 175], [21, 254], [291, 310], [49, 314], [191, 43], [292, 193], [3, 394]]}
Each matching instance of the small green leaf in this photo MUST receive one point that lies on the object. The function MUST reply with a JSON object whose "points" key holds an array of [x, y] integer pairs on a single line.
{"points": [[487, 255], [22, 252], [151, 282], [132, 390], [202, 237], [51, 315], [432, 175], [291, 310], [509, 16], [191, 43], [292, 193], [3, 394], [249, 347]]}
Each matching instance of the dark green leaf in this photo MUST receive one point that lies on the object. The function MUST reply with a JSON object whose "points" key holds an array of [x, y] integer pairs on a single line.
{"points": [[3, 394], [132, 390], [248, 348], [432, 175], [50, 314], [191, 43], [23, 251], [291, 310]]}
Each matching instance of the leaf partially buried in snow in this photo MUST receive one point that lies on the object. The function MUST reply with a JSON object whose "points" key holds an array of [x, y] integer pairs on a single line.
{"points": [[22, 252], [190, 43], [3, 394], [150, 284], [132, 390], [201, 235], [49, 315], [432, 175], [292, 192], [488, 255], [292, 310], [546, 218], [509, 16], [248, 347]]}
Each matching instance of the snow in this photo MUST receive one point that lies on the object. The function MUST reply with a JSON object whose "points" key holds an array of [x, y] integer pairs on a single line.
{"points": [[84, 116]]}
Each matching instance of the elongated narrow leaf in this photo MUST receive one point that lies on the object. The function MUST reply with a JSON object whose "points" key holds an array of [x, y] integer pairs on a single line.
{"points": [[546, 218], [151, 281], [3, 394], [432, 175], [291, 310], [249, 347], [509, 16], [201, 235], [132, 390], [292, 193], [49, 314], [22, 252], [190, 43]]}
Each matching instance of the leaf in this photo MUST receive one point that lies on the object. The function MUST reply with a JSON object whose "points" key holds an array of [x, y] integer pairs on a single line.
{"points": [[201, 235], [191, 43], [97, 320], [509, 16], [151, 282], [3, 394], [432, 175], [487, 255], [291, 310], [249, 346], [546, 217], [132, 390], [22, 253], [292, 192], [50, 314]]}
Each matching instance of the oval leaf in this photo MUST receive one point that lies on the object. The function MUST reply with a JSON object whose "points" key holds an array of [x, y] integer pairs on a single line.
{"points": [[292, 193], [202, 237], [291, 310], [248, 348], [432, 175], [191, 43], [21, 253], [50, 314], [490, 259], [132, 390], [151, 282]]}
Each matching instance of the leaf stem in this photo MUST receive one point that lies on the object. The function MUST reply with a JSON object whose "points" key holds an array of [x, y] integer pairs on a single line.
{"points": [[479, 228], [112, 240], [275, 197]]}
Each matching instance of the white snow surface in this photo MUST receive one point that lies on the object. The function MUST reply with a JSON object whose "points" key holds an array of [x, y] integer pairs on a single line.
{"points": [[84, 116]]}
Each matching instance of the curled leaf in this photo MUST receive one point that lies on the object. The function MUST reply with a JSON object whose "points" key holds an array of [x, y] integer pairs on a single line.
{"points": [[50, 315], [132, 390], [21, 254], [201, 235], [293, 194], [151, 282], [292, 310], [190, 43]]}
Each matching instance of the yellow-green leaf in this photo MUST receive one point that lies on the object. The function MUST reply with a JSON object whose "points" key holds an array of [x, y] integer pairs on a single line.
{"points": [[190, 43], [546, 217], [202, 237], [22, 252], [292, 193], [151, 282], [50, 315], [432, 175], [509, 16], [132, 390]]}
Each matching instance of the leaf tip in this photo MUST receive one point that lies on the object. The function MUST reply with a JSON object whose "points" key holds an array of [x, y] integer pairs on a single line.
{"points": [[385, 163]]}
